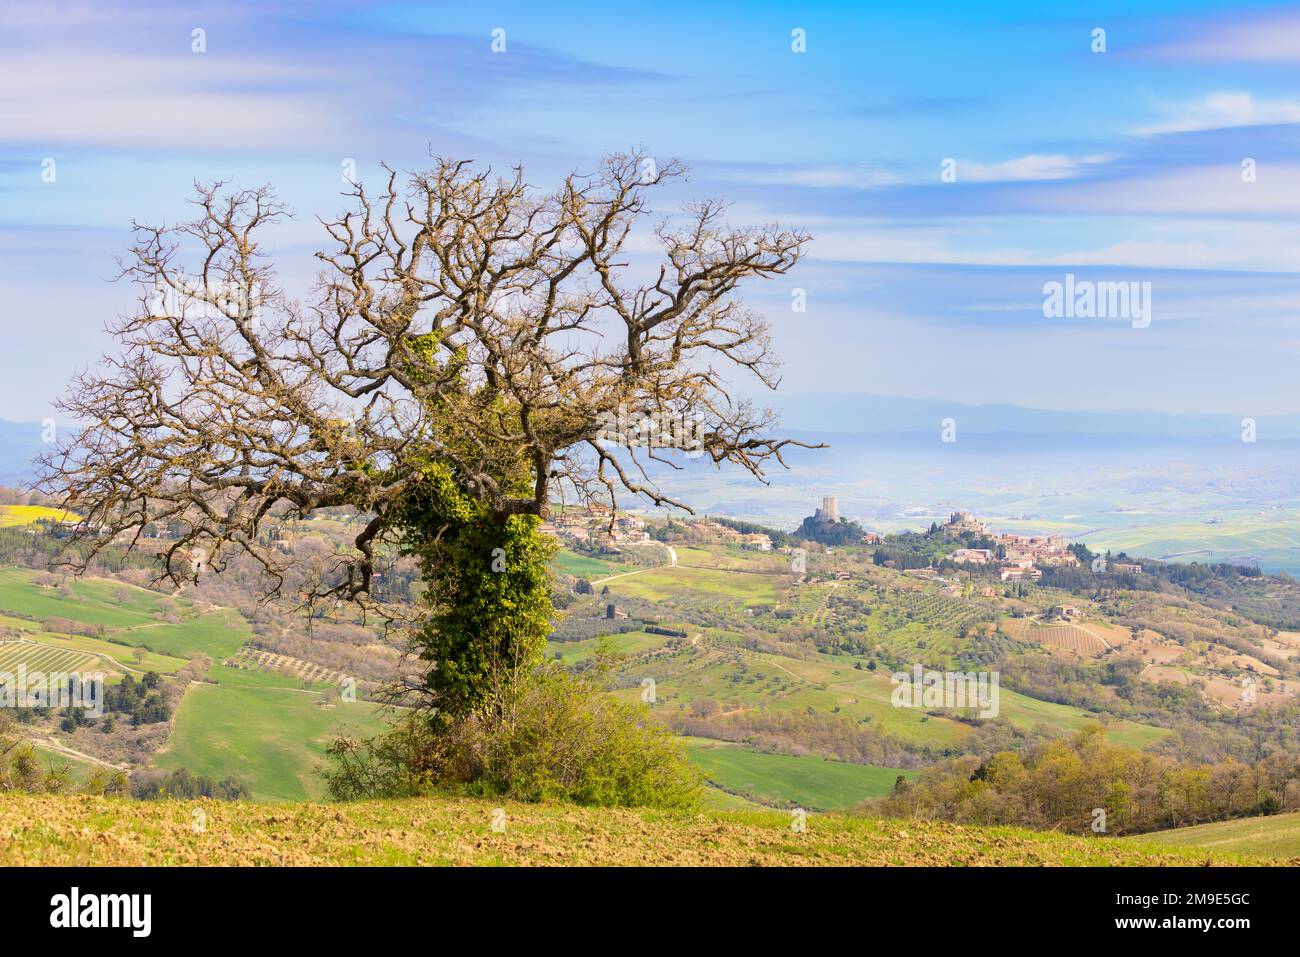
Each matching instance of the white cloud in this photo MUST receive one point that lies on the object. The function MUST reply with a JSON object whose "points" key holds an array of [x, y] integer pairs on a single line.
{"points": [[1197, 190], [1028, 168], [817, 177], [1223, 110], [190, 100], [1234, 245], [1250, 252], [1031, 168]]}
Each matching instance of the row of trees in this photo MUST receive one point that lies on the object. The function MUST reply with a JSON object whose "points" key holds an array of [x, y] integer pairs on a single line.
{"points": [[1086, 784], [184, 785]]}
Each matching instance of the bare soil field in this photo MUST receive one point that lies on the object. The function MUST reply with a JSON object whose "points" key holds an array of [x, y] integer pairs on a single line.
{"points": [[63, 830]]}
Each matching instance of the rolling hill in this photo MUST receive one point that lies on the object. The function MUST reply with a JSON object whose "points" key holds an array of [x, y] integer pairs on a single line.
{"points": [[81, 830], [1274, 836]]}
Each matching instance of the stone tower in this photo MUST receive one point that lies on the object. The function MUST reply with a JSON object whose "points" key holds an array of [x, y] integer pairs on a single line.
{"points": [[830, 510]]}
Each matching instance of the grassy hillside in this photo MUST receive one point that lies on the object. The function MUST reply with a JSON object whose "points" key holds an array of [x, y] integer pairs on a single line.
{"points": [[218, 634], [102, 831], [726, 594], [628, 643], [132, 639], [782, 780], [92, 601], [1275, 836], [263, 729], [584, 566], [660, 583]]}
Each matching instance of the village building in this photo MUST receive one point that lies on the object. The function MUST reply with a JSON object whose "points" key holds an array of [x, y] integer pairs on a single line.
{"points": [[1018, 574], [972, 556]]}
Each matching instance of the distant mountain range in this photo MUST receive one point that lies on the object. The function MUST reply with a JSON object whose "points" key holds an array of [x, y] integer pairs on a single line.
{"points": [[868, 414], [20, 443], [876, 426]]}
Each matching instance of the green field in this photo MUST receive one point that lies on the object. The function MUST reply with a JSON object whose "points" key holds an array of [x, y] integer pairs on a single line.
{"points": [[127, 617], [92, 601], [79, 769], [261, 727], [656, 584], [1026, 713], [1274, 836], [629, 642], [217, 634], [781, 780], [270, 737], [584, 566], [125, 655]]}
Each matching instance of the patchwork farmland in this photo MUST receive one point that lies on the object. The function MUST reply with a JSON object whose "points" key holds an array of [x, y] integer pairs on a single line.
{"points": [[248, 716], [34, 656]]}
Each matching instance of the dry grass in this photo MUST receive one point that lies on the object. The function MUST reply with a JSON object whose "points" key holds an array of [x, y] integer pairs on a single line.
{"points": [[104, 831]]}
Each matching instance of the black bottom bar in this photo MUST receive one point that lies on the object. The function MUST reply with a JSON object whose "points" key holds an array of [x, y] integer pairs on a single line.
{"points": [[394, 906]]}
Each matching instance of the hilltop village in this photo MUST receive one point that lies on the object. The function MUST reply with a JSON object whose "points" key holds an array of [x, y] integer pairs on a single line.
{"points": [[1018, 557], [962, 541]]}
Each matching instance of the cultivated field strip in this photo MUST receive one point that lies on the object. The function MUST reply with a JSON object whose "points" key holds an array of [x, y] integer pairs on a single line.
{"points": [[38, 657], [942, 611], [1059, 637], [259, 660]]}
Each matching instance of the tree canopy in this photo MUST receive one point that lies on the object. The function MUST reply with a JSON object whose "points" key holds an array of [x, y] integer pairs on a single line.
{"points": [[451, 374]]}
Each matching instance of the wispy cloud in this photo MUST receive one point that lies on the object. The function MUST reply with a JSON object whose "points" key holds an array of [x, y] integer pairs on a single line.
{"points": [[1064, 159], [1029, 168], [1224, 110], [1274, 38], [828, 176], [263, 81], [1182, 243]]}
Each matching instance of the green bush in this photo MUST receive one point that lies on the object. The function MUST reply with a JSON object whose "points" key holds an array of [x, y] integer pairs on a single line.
{"points": [[557, 738]]}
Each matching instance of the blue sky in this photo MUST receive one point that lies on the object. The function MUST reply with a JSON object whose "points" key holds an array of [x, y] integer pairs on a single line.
{"points": [[1123, 165]]}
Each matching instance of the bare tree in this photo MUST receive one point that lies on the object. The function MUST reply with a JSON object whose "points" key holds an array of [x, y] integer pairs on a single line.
{"points": [[457, 316]]}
